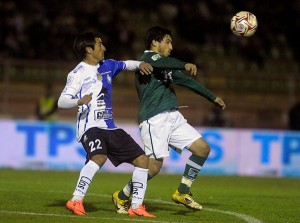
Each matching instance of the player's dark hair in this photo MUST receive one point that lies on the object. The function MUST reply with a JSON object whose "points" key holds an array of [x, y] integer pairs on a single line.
{"points": [[156, 33], [82, 41]]}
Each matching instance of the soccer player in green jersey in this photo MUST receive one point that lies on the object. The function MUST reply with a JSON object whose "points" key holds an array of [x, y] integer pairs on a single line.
{"points": [[161, 124]]}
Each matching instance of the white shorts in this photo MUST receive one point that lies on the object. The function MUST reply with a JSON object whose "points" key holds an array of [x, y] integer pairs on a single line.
{"points": [[167, 129]]}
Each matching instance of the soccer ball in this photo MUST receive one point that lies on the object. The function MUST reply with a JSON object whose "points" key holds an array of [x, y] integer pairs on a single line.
{"points": [[243, 24]]}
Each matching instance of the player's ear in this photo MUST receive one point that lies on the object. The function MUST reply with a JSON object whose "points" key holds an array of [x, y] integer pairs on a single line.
{"points": [[154, 43], [88, 50]]}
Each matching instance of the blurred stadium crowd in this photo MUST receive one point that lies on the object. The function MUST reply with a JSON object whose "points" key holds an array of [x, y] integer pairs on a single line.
{"points": [[36, 40], [45, 29]]}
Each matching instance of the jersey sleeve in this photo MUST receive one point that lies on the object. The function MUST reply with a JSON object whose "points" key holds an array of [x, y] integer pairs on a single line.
{"points": [[132, 65], [115, 66], [73, 85], [181, 79], [66, 102], [68, 97]]}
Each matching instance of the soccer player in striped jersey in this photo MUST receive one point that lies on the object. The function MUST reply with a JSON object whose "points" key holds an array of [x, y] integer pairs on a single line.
{"points": [[161, 124], [89, 87]]}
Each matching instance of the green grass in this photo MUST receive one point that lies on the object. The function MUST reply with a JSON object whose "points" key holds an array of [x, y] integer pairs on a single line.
{"points": [[40, 196]]}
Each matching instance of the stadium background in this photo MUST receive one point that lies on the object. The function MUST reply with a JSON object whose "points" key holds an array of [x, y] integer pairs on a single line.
{"points": [[257, 77]]}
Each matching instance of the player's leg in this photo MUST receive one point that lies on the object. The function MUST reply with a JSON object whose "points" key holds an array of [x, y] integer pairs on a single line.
{"points": [[124, 194], [200, 151], [154, 167], [139, 185], [124, 149], [154, 134], [95, 161], [185, 136], [182, 195]]}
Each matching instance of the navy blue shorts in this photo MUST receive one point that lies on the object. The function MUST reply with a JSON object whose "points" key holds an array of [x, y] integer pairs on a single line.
{"points": [[118, 145]]}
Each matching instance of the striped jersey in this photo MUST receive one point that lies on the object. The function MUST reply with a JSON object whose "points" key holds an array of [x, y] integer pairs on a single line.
{"points": [[86, 79]]}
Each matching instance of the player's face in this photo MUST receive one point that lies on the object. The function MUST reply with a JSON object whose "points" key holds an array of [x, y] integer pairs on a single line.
{"points": [[99, 49], [165, 46]]}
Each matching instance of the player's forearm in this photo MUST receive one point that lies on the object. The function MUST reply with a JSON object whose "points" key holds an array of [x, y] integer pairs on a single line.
{"points": [[67, 102], [132, 65]]}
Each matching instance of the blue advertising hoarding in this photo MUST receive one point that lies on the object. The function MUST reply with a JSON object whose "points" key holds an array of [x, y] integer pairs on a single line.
{"points": [[46, 145]]}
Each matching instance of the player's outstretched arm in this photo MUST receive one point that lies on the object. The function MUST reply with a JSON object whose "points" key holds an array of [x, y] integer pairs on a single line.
{"points": [[219, 103], [143, 67], [171, 63]]}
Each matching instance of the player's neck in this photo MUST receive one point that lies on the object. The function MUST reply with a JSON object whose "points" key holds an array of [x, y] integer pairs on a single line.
{"points": [[90, 61]]}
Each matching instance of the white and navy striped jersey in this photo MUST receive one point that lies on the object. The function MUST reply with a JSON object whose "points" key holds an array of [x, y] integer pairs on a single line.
{"points": [[86, 79]]}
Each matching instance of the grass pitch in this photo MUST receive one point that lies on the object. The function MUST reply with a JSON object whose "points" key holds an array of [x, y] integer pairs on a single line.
{"points": [[40, 196]]}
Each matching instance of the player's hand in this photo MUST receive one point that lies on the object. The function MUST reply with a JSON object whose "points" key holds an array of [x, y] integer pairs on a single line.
{"points": [[145, 68], [85, 99], [220, 103], [192, 68]]}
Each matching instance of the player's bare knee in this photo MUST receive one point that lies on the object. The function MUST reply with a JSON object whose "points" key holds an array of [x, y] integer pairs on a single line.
{"points": [[99, 159], [205, 150], [141, 161], [200, 148]]}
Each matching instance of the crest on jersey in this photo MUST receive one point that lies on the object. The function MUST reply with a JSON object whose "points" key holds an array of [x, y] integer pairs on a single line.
{"points": [[99, 77], [155, 57]]}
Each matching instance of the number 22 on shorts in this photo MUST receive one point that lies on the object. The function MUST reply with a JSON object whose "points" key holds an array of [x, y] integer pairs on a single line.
{"points": [[95, 145]]}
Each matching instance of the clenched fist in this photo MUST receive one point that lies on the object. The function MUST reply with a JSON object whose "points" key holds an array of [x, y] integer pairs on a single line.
{"points": [[85, 99]]}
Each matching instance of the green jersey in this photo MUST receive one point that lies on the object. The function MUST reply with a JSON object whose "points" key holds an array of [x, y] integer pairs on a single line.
{"points": [[155, 91]]}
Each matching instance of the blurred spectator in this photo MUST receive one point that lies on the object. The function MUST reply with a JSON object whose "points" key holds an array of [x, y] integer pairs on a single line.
{"points": [[31, 30], [216, 118], [294, 117], [47, 105]]}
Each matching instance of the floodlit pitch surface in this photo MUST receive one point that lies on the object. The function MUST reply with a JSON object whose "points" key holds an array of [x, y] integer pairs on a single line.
{"points": [[40, 196]]}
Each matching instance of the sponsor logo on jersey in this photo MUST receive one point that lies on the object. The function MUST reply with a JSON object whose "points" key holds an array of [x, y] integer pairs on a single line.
{"points": [[77, 69], [101, 103], [88, 84], [107, 72], [102, 114], [167, 76]]}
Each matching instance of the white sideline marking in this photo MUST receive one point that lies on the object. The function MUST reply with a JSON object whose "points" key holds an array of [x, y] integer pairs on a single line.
{"points": [[85, 217], [246, 218]]}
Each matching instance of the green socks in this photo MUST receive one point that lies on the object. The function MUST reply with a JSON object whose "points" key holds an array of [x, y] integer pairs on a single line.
{"points": [[192, 168]]}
